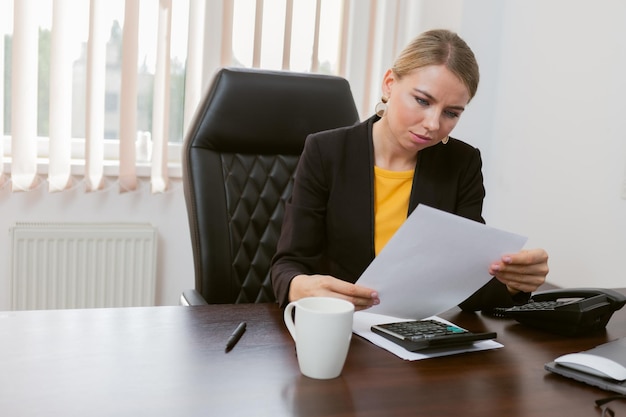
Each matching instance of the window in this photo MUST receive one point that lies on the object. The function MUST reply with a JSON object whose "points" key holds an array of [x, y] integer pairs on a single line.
{"points": [[87, 94], [79, 32]]}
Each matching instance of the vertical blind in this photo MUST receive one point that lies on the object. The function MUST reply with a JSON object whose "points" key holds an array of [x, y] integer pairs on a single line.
{"points": [[368, 34]]}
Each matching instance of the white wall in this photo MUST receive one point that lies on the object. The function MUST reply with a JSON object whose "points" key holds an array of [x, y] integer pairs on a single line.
{"points": [[165, 211], [549, 118]]}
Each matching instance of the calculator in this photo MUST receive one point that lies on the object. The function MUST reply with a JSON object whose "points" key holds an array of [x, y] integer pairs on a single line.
{"points": [[428, 334]]}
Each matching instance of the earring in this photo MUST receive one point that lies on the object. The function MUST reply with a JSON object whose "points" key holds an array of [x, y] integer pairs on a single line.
{"points": [[445, 140], [381, 107]]}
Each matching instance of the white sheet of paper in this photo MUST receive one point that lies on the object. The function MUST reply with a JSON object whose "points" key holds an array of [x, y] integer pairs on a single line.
{"points": [[434, 262], [363, 322]]}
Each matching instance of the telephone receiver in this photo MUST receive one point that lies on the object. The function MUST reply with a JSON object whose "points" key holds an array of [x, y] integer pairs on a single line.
{"points": [[569, 312]]}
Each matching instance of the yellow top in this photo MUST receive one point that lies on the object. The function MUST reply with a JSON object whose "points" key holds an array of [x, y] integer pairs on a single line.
{"points": [[392, 190]]}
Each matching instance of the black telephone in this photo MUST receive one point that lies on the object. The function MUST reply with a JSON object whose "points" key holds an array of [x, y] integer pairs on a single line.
{"points": [[568, 312]]}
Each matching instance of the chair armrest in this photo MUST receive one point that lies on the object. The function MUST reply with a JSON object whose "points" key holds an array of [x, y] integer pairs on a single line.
{"points": [[190, 298]]}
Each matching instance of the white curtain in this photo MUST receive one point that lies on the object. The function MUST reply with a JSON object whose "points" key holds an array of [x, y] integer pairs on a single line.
{"points": [[24, 97], [59, 176], [210, 30], [24, 170], [128, 97], [160, 124]]}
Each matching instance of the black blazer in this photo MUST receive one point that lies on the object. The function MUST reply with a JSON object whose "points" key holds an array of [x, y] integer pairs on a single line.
{"points": [[328, 227]]}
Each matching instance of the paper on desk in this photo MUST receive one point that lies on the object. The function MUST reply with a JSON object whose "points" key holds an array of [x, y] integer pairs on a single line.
{"points": [[434, 262], [363, 322]]}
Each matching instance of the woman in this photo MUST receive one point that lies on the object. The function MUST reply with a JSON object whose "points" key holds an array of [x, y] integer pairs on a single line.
{"points": [[355, 186]]}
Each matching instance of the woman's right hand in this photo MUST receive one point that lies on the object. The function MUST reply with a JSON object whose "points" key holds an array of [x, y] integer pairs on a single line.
{"points": [[328, 286]]}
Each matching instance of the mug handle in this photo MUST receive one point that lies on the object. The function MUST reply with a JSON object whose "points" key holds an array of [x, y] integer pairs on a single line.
{"points": [[288, 317]]}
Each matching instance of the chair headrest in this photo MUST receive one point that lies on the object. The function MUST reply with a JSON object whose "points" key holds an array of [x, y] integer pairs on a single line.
{"points": [[269, 112]]}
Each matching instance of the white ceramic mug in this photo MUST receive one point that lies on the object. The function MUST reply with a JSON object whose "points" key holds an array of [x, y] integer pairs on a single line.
{"points": [[322, 331]]}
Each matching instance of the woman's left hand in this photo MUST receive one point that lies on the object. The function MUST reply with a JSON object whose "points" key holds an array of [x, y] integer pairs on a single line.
{"points": [[523, 271]]}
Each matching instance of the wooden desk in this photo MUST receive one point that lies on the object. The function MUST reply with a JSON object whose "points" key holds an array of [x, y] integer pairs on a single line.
{"points": [[170, 361]]}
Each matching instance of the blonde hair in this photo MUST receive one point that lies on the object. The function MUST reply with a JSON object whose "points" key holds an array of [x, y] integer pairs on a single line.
{"points": [[440, 47]]}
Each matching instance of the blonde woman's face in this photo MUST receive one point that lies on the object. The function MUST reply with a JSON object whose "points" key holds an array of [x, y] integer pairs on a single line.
{"points": [[423, 106]]}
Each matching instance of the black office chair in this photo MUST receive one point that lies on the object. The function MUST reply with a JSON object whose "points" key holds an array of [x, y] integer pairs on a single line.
{"points": [[239, 159]]}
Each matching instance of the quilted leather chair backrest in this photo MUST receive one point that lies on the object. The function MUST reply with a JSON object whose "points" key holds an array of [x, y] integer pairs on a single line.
{"points": [[239, 159]]}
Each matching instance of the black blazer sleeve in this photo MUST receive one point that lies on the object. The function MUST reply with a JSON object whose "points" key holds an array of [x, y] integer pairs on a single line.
{"points": [[328, 222]]}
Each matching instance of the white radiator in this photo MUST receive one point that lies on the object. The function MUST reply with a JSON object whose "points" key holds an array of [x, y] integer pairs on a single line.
{"points": [[70, 265]]}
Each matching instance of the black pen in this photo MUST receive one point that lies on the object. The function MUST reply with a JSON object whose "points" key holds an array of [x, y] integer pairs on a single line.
{"points": [[234, 338]]}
